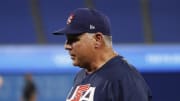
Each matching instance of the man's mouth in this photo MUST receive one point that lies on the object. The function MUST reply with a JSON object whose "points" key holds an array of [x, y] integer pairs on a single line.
{"points": [[72, 56]]}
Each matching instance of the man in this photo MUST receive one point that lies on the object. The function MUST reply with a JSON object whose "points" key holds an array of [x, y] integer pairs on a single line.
{"points": [[29, 90], [105, 75]]}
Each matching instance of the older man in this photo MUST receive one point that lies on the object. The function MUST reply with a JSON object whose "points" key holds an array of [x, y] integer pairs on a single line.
{"points": [[105, 75]]}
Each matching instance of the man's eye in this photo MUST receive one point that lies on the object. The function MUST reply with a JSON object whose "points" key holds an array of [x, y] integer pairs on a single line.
{"points": [[72, 40]]}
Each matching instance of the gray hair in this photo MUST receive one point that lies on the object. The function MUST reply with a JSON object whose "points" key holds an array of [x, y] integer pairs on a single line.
{"points": [[108, 40]]}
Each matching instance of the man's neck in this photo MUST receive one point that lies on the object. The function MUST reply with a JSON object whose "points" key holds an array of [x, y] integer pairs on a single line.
{"points": [[101, 59]]}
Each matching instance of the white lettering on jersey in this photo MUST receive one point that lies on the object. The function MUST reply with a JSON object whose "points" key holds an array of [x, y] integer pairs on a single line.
{"points": [[82, 93]]}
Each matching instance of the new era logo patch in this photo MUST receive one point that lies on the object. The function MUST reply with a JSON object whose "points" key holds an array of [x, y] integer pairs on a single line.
{"points": [[91, 27]]}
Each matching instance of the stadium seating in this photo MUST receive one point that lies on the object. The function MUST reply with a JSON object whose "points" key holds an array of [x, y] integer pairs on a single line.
{"points": [[17, 24]]}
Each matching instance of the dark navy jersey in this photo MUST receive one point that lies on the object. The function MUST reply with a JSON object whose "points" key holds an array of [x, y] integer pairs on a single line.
{"points": [[114, 81]]}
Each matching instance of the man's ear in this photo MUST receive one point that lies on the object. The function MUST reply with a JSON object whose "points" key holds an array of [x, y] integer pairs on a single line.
{"points": [[99, 39], [98, 36]]}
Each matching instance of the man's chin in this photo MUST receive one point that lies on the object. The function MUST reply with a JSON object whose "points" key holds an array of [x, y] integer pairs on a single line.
{"points": [[75, 64]]}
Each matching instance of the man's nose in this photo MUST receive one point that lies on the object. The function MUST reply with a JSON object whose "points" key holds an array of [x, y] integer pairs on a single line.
{"points": [[67, 46]]}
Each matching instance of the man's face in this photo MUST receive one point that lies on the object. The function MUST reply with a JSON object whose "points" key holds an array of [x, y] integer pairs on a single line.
{"points": [[81, 48]]}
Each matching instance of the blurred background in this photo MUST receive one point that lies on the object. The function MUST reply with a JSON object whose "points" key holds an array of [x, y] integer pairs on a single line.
{"points": [[145, 32]]}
